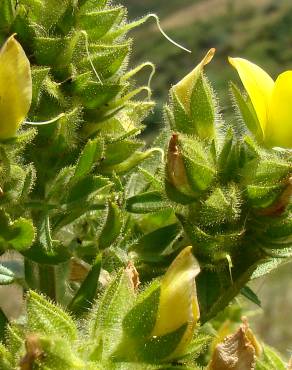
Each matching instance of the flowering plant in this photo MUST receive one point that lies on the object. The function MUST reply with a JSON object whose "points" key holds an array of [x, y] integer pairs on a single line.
{"points": [[127, 254]]}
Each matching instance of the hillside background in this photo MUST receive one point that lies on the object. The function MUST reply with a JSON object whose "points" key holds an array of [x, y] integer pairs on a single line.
{"points": [[259, 30]]}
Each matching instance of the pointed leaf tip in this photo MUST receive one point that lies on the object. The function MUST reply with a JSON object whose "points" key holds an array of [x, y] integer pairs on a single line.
{"points": [[209, 56], [183, 89]]}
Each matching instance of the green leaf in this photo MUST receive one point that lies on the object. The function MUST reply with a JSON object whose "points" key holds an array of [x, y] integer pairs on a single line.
{"points": [[280, 227], [14, 341], [13, 185], [107, 316], [128, 164], [87, 5], [7, 14], [216, 289], [262, 196], [48, 50], [38, 75], [199, 345], [88, 158], [198, 163], [151, 201], [270, 360], [94, 95], [47, 250], [151, 246], [59, 183], [182, 122], [137, 342], [202, 107], [17, 235], [88, 186], [248, 293], [228, 158], [6, 358], [54, 11], [3, 324], [119, 151], [114, 258], [160, 348], [84, 297], [273, 170], [112, 226], [177, 196], [145, 307], [28, 182], [6, 276], [98, 23], [48, 319], [222, 206], [247, 112], [59, 355], [56, 254], [107, 59]]}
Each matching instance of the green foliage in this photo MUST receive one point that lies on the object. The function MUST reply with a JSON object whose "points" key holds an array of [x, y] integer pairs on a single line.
{"points": [[17, 235], [270, 360], [87, 290], [111, 337], [73, 173]]}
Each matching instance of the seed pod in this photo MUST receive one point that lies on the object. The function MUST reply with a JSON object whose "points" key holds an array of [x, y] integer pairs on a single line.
{"points": [[176, 171]]}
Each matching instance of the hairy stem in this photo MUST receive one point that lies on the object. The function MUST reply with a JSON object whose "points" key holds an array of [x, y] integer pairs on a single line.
{"points": [[47, 281]]}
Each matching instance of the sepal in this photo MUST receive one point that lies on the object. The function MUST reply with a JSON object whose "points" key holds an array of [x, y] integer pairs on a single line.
{"points": [[163, 335], [194, 104]]}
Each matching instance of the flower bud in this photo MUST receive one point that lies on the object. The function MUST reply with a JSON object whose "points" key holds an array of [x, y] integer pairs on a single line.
{"points": [[190, 169], [176, 172], [281, 204], [15, 87], [161, 324], [178, 292], [183, 89], [193, 103]]}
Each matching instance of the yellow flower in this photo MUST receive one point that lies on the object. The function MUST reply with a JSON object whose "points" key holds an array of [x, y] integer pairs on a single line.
{"points": [[15, 87], [178, 304], [272, 101]]}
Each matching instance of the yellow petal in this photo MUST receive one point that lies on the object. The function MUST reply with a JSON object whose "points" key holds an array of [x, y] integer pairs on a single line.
{"points": [[183, 89], [15, 87], [178, 303], [279, 130], [258, 84]]}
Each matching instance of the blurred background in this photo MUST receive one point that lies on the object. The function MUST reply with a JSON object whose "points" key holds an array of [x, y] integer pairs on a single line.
{"points": [[259, 30]]}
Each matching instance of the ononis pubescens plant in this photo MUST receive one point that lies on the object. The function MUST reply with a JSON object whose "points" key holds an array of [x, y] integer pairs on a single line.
{"points": [[86, 204]]}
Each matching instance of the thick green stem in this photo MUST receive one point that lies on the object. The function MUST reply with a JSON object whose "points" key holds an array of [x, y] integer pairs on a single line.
{"points": [[31, 273], [47, 281]]}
